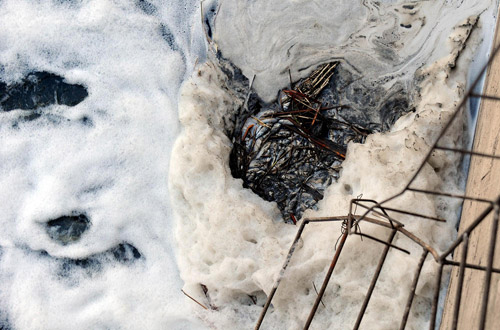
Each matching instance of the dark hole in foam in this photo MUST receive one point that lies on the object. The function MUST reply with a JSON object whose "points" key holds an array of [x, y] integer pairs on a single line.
{"points": [[40, 89], [291, 159], [67, 229]]}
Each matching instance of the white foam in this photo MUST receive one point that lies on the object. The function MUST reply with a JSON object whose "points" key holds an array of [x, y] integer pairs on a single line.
{"points": [[114, 170]]}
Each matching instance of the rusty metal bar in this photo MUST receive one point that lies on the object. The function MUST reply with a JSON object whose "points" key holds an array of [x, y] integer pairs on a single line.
{"points": [[287, 261], [468, 152], [484, 96], [407, 234], [280, 276], [385, 208], [409, 302], [414, 214], [489, 267], [435, 301], [439, 193], [382, 214], [461, 275], [382, 242], [470, 266], [326, 280], [374, 280], [467, 231]]}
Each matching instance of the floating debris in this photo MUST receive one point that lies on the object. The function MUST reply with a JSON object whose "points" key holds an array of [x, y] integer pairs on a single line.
{"points": [[290, 151]]}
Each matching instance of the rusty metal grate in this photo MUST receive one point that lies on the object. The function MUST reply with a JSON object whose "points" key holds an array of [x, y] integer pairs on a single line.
{"points": [[377, 213]]}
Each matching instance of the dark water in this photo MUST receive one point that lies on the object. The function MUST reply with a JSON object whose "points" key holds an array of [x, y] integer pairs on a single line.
{"points": [[292, 153], [38, 90]]}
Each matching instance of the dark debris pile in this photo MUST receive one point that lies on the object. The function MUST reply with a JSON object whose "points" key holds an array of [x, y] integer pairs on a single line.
{"points": [[290, 151]]}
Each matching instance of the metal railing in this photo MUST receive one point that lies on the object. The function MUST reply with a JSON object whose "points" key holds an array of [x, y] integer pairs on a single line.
{"points": [[378, 213]]}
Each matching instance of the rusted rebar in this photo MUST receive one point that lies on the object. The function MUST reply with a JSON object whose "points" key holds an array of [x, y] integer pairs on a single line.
{"points": [[461, 276], [374, 279], [489, 267], [409, 301], [325, 281]]}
